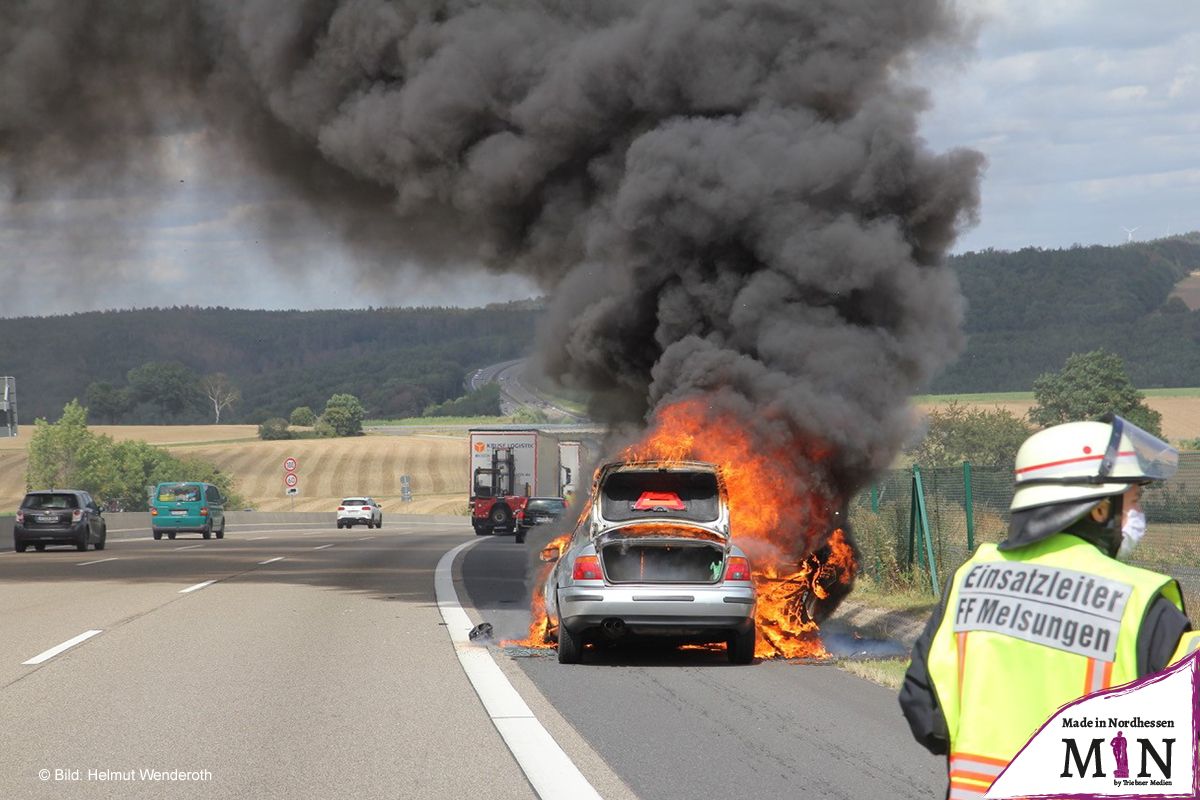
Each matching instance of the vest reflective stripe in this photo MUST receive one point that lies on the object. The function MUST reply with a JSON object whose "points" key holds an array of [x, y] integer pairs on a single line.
{"points": [[1099, 676], [996, 688], [971, 775], [960, 642], [1188, 644]]}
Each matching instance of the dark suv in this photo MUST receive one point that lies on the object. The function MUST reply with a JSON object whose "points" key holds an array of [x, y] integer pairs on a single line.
{"points": [[59, 516]]}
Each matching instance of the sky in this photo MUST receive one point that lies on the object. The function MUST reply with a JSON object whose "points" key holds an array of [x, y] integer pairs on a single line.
{"points": [[1088, 112]]}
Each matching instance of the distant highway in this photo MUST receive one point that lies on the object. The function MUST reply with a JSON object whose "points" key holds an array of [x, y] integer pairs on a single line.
{"points": [[517, 392]]}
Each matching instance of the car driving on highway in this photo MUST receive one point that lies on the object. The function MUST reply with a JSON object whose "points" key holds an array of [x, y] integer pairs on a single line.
{"points": [[359, 510], [652, 557], [59, 516], [539, 511], [187, 507]]}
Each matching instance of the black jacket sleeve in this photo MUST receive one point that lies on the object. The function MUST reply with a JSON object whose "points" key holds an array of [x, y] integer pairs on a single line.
{"points": [[1159, 635], [918, 700]]}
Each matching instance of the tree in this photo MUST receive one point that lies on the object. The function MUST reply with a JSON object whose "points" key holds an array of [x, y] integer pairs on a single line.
{"points": [[958, 433], [1089, 386], [221, 392], [345, 413], [65, 454], [169, 385], [273, 429], [105, 401], [303, 416]]}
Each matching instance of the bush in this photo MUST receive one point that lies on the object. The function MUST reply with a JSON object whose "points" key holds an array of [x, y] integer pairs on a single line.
{"points": [[323, 429], [67, 454], [274, 429], [303, 417]]}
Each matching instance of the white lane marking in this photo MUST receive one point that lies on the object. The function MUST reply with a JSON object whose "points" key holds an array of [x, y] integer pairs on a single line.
{"points": [[258, 538], [273, 560], [322, 547], [197, 586], [101, 561], [366, 538], [190, 547], [67, 645], [550, 771]]}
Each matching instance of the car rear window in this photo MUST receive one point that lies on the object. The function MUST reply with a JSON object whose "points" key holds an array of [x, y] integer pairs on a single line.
{"points": [[179, 494], [677, 495], [552, 506], [50, 501], [354, 501]]}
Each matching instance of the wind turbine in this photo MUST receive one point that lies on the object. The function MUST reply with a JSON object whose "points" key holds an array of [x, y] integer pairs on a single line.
{"points": [[1128, 233]]}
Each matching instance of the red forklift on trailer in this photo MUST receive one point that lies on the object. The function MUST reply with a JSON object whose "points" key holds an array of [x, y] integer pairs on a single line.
{"points": [[495, 505]]}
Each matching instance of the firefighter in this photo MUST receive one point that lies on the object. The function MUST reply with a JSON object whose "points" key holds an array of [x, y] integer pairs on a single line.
{"points": [[1049, 614]]}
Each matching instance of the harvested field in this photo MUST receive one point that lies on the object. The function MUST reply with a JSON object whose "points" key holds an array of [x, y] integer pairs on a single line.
{"points": [[1181, 415], [330, 469]]}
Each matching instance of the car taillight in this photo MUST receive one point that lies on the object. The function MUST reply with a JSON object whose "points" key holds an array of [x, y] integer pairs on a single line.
{"points": [[77, 515], [587, 568], [366, 508], [20, 516], [737, 569], [203, 511], [154, 512], [341, 508]]}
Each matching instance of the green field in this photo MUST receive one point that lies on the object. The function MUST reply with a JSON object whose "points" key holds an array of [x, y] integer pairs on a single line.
{"points": [[434, 421], [1027, 397]]}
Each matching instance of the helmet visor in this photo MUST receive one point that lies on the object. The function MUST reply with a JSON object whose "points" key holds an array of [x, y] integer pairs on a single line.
{"points": [[1134, 453]]}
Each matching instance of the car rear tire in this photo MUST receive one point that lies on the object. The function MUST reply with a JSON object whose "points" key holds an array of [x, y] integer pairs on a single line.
{"points": [[221, 533], [103, 541], [380, 523], [41, 548], [740, 647], [157, 535], [570, 646], [207, 532], [171, 535], [19, 546], [82, 544]]}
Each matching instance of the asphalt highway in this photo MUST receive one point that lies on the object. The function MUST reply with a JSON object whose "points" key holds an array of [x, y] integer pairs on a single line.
{"points": [[300, 661]]}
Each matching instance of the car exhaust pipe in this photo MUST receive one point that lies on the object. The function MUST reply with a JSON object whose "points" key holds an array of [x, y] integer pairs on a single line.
{"points": [[613, 628]]}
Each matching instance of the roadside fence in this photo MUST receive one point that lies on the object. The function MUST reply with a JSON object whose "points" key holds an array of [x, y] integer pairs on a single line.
{"points": [[919, 525]]}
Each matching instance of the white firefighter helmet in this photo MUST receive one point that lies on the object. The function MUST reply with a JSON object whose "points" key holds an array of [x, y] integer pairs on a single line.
{"points": [[1082, 460]]}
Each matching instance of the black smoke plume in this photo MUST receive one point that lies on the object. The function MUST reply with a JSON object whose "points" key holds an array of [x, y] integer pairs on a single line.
{"points": [[722, 197]]}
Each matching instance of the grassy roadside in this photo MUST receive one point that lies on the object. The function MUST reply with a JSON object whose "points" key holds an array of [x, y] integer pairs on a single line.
{"points": [[887, 672]]}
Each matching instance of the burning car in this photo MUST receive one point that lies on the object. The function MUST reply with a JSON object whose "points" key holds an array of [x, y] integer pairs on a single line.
{"points": [[652, 556]]}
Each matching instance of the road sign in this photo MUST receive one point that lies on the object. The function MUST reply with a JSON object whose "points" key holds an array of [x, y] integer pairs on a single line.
{"points": [[293, 491], [405, 480], [290, 479], [290, 464]]}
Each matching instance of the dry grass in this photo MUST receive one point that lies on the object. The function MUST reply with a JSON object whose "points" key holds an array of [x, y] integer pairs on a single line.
{"points": [[330, 469], [1181, 415], [887, 672]]}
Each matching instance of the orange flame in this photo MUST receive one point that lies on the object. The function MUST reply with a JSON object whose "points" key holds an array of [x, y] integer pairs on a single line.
{"points": [[539, 621], [780, 514]]}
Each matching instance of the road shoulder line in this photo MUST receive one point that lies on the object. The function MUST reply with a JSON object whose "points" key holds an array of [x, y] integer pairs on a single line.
{"points": [[549, 770]]}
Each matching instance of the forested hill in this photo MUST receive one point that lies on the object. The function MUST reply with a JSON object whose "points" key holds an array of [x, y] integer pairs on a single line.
{"points": [[1030, 309], [397, 361]]}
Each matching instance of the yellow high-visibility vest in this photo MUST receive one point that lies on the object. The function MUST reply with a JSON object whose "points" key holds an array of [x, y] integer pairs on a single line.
{"points": [[1026, 632]]}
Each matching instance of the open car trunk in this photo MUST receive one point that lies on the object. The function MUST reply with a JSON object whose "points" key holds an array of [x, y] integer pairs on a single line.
{"points": [[661, 554]]}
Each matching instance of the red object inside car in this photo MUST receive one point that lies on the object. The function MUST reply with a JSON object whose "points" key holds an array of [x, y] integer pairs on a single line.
{"points": [[652, 500]]}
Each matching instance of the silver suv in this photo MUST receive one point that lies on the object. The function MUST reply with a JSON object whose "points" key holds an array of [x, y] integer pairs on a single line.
{"points": [[652, 557]]}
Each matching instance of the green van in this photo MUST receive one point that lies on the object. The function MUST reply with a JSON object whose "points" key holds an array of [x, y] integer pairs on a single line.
{"points": [[187, 506]]}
